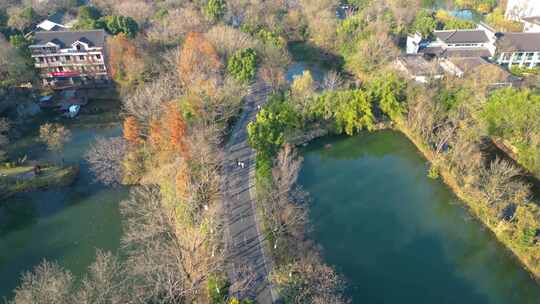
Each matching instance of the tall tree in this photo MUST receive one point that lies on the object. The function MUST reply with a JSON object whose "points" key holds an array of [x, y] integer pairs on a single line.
{"points": [[175, 124], [198, 63], [132, 130], [125, 59]]}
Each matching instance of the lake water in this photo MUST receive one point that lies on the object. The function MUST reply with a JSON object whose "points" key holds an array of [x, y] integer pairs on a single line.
{"points": [[297, 69], [66, 225], [398, 236], [466, 14]]}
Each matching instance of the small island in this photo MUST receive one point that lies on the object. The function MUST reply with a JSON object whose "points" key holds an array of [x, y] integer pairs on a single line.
{"points": [[25, 178]]}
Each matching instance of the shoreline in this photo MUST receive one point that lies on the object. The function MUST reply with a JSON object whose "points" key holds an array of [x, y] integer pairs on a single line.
{"points": [[447, 178]]}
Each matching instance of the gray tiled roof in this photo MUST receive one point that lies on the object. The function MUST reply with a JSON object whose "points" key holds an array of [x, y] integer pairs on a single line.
{"points": [[466, 52], [95, 38], [469, 63], [456, 52], [417, 65], [430, 50], [462, 36], [524, 42]]}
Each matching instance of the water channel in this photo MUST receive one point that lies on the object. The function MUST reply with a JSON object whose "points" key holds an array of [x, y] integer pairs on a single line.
{"points": [[65, 225], [398, 236]]}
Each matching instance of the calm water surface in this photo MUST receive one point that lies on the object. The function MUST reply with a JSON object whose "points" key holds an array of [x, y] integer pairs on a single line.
{"points": [[396, 235], [66, 225]]}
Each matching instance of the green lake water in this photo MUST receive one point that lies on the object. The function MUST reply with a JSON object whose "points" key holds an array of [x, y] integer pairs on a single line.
{"points": [[398, 236], [65, 225]]}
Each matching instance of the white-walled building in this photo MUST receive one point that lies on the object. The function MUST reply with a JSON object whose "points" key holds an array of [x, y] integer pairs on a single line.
{"points": [[70, 58], [507, 49], [518, 49], [479, 42]]}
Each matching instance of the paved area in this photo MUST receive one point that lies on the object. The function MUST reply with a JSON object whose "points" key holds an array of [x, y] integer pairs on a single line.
{"points": [[248, 270]]}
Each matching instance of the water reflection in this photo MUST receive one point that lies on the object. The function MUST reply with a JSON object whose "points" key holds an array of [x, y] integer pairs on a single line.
{"points": [[400, 237], [67, 224]]}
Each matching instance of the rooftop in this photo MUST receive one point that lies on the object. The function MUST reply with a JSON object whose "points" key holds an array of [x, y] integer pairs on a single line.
{"points": [[524, 42], [469, 64], [478, 66], [94, 38], [462, 36], [456, 52], [419, 66], [534, 19], [48, 25]]}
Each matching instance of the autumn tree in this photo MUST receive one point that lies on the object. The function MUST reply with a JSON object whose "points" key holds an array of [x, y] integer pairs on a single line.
{"points": [[132, 130], [176, 126], [146, 102], [125, 60], [155, 134], [199, 64]]}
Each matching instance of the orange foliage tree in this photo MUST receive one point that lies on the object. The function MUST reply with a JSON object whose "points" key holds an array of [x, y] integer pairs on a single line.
{"points": [[155, 134], [176, 125], [199, 62], [125, 61], [132, 130]]}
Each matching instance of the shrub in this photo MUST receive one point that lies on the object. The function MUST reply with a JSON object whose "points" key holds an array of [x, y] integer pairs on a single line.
{"points": [[215, 9], [242, 65], [217, 289], [119, 24]]}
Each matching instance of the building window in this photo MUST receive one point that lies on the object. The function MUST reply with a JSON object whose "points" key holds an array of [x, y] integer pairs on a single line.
{"points": [[60, 69], [529, 56], [79, 47], [81, 57], [506, 56], [68, 58], [518, 56], [98, 56], [41, 59]]}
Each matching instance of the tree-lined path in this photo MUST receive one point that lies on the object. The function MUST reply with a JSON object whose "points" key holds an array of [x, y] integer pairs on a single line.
{"points": [[249, 269]]}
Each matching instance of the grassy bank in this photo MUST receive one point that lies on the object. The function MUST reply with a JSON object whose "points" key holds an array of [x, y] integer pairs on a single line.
{"points": [[477, 208], [22, 178]]}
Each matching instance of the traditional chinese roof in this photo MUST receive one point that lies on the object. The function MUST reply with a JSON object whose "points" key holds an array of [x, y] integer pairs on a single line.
{"points": [[462, 36], [94, 38], [520, 42], [417, 65], [456, 52]]}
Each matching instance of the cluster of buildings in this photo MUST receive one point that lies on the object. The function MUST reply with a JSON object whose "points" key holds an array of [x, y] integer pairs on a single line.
{"points": [[458, 52], [69, 59]]}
